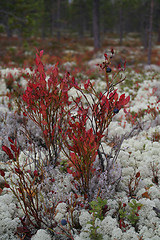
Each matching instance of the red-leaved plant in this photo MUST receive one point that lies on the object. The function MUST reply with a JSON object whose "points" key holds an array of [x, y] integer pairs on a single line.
{"points": [[46, 103], [24, 183], [83, 137], [75, 125], [82, 146]]}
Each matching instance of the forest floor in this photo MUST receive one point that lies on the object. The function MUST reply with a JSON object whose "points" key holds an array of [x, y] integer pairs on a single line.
{"points": [[16, 53]]}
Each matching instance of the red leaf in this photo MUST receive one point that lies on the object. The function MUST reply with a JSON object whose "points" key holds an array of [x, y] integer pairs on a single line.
{"points": [[119, 66], [10, 140], [45, 132], [125, 111], [6, 185], [106, 57], [36, 173], [13, 148], [76, 196], [122, 97], [112, 51], [40, 68], [56, 65], [52, 179], [44, 122], [37, 59], [7, 151], [55, 71], [86, 85], [2, 173], [76, 174], [18, 170], [126, 100], [69, 171], [137, 174], [41, 53], [113, 95], [120, 223]]}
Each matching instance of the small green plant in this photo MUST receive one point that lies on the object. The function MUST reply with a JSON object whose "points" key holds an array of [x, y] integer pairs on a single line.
{"points": [[94, 235], [131, 214], [98, 208]]}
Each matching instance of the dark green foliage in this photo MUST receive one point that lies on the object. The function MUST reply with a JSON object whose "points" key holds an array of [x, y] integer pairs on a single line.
{"points": [[97, 207], [20, 16], [47, 17]]}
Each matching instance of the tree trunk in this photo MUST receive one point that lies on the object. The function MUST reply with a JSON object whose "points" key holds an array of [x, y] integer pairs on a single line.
{"points": [[58, 21], [150, 32], [8, 31], [158, 39], [82, 18], [53, 18], [43, 28], [7, 27], [120, 25], [96, 30]]}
